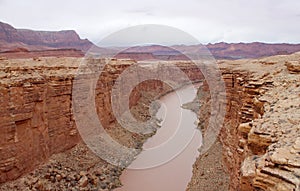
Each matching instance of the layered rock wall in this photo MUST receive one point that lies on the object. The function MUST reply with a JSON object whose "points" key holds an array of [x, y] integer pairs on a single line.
{"points": [[260, 135], [36, 117]]}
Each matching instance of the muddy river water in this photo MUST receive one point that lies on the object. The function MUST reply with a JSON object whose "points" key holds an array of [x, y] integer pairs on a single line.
{"points": [[165, 164]]}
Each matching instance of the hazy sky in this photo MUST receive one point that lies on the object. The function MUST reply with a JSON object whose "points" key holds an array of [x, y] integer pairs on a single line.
{"points": [[208, 21]]}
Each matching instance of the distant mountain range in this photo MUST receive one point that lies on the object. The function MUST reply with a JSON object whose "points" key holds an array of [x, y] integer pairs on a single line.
{"points": [[250, 50], [27, 43], [23, 43]]}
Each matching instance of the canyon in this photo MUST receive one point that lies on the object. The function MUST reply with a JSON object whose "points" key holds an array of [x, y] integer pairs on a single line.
{"points": [[172, 151], [257, 148], [39, 115], [259, 139]]}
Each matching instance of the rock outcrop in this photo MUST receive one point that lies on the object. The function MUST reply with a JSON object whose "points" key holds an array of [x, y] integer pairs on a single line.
{"points": [[36, 118], [261, 132], [293, 66], [24, 53]]}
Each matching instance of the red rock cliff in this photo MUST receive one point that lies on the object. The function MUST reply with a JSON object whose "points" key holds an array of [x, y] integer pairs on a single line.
{"points": [[260, 135], [36, 118]]}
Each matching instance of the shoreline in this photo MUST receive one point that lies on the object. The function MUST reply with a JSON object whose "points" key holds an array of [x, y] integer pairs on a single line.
{"points": [[209, 170]]}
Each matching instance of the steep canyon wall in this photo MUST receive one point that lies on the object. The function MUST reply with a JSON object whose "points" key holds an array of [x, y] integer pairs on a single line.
{"points": [[260, 135], [36, 116]]}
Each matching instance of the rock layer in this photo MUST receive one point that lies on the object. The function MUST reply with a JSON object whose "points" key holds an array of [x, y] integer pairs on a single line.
{"points": [[35, 115], [36, 118], [260, 135]]}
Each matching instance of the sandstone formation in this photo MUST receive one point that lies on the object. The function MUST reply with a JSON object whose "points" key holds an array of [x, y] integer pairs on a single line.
{"points": [[293, 66], [261, 132], [24, 53], [35, 115], [37, 119]]}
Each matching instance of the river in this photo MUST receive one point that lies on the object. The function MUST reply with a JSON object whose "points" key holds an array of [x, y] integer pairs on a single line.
{"points": [[165, 164]]}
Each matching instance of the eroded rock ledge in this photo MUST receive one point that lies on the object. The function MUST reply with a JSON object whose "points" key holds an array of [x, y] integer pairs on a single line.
{"points": [[261, 132]]}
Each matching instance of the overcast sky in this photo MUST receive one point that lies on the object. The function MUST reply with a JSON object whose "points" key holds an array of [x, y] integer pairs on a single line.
{"points": [[208, 21]]}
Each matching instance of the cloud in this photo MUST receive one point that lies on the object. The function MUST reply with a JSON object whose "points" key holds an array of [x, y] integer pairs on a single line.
{"points": [[148, 34], [208, 21]]}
